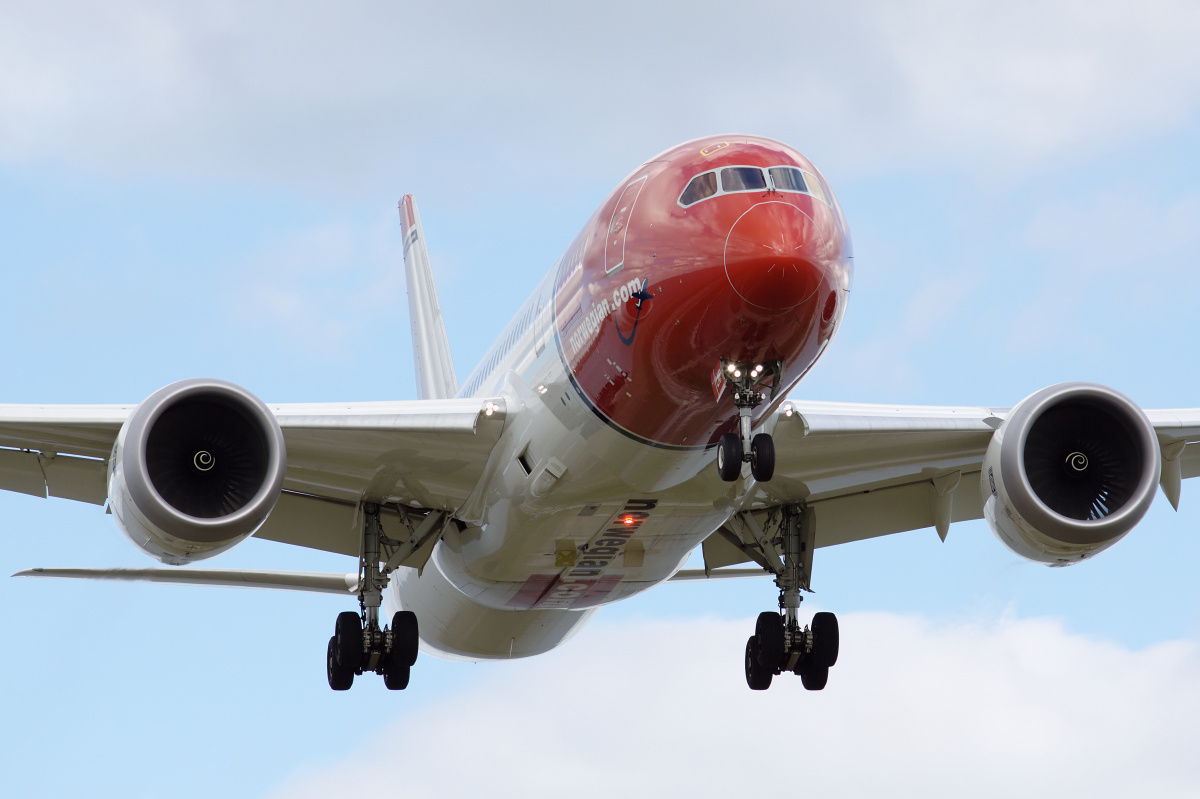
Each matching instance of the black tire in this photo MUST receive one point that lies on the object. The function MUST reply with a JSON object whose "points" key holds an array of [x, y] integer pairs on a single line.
{"points": [[406, 640], [729, 457], [395, 676], [769, 632], [348, 640], [814, 677], [826, 640], [758, 678], [762, 457], [340, 678]]}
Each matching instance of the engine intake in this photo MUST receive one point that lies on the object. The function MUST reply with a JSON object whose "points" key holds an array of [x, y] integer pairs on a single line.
{"points": [[1073, 469], [197, 468]]}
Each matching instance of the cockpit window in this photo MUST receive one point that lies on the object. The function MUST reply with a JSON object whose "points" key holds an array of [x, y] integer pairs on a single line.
{"points": [[817, 188], [734, 179], [702, 187], [742, 178], [788, 178]]}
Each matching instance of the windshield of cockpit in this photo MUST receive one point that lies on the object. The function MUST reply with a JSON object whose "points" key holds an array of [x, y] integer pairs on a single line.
{"points": [[744, 179]]}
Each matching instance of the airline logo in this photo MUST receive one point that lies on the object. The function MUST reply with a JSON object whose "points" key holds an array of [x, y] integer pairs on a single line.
{"points": [[587, 329], [586, 583]]}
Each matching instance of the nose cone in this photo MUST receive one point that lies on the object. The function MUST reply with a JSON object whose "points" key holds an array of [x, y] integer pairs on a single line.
{"points": [[770, 256]]}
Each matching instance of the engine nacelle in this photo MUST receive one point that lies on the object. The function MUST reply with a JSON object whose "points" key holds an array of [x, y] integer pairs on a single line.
{"points": [[1073, 469], [197, 468]]}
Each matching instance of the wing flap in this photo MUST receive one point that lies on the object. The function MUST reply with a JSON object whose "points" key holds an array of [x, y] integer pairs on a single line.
{"points": [[897, 509], [307, 521], [64, 476], [20, 472]]}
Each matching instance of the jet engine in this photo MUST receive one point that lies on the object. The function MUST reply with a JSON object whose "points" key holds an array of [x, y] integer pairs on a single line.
{"points": [[197, 468], [1071, 470]]}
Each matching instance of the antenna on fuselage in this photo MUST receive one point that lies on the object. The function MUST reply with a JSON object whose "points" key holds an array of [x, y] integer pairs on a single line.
{"points": [[431, 349]]}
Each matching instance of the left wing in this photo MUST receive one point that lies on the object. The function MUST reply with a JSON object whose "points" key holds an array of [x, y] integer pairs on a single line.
{"points": [[872, 470]]}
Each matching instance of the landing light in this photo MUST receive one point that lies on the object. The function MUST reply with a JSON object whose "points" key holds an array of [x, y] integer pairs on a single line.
{"points": [[730, 368], [737, 372]]}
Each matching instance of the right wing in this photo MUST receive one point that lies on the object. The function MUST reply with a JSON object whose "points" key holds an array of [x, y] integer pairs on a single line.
{"points": [[426, 454]]}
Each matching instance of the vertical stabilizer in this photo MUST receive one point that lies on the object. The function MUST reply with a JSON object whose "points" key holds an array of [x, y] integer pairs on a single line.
{"points": [[431, 350]]}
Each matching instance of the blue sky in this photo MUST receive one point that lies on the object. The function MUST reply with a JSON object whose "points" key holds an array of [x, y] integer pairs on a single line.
{"points": [[188, 192]]}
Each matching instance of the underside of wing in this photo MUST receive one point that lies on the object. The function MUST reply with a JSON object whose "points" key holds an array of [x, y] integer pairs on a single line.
{"points": [[871, 470]]}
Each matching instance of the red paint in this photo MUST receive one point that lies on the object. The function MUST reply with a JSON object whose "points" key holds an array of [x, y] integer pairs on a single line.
{"points": [[750, 276], [556, 591]]}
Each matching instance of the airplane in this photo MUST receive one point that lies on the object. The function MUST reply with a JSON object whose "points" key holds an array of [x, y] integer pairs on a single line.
{"points": [[637, 407]]}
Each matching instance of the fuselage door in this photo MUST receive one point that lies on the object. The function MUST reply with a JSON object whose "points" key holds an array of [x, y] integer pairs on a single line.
{"points": [[614, 243]]}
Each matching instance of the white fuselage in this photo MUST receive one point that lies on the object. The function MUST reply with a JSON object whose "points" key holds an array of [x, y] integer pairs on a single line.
{"points": [[558, 479]]}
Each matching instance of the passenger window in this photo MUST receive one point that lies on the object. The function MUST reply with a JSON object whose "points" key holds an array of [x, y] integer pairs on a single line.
{"points": [[743, 178], [701, 187], [788, 178]]}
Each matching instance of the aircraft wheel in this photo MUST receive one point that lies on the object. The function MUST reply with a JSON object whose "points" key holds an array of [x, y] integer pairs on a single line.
{"points": [[405, 638], [762, 460], [395, 675], [814, 677], [729, 457], [758, 678], [826, 640], [769, 632], [348, 640], [340, 678]]}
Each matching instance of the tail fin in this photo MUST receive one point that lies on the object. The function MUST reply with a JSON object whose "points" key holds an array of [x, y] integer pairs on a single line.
{"points": [[431, 350]]}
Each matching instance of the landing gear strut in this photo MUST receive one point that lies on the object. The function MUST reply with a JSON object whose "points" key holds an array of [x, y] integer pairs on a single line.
{"points": [[779, 643], [358, 644], [749, 384]]}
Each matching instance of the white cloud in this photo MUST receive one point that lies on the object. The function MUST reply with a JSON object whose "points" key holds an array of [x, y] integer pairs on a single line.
{"points": [[341, 95], [1013, 707]]}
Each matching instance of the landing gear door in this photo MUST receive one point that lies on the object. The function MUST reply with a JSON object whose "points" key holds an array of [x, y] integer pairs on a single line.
{"points": [[614, 243]]}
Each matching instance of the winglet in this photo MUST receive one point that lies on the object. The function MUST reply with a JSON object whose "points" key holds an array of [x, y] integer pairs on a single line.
{"points": [[431, 350]]}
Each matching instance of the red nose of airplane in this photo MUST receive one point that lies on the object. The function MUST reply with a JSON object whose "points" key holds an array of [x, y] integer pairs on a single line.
{"points": [[770, 256]]}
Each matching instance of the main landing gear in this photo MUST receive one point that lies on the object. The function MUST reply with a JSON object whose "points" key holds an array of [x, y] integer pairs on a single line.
{"points": [[748, 383], [779, 643], [358, 644]]}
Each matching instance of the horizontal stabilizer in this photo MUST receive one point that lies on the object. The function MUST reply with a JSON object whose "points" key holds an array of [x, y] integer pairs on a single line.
{"points": [[319, 582], [692, 575]]}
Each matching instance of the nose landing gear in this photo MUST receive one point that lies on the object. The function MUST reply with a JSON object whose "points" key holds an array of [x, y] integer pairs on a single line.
{"points": [[749, 384]]}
